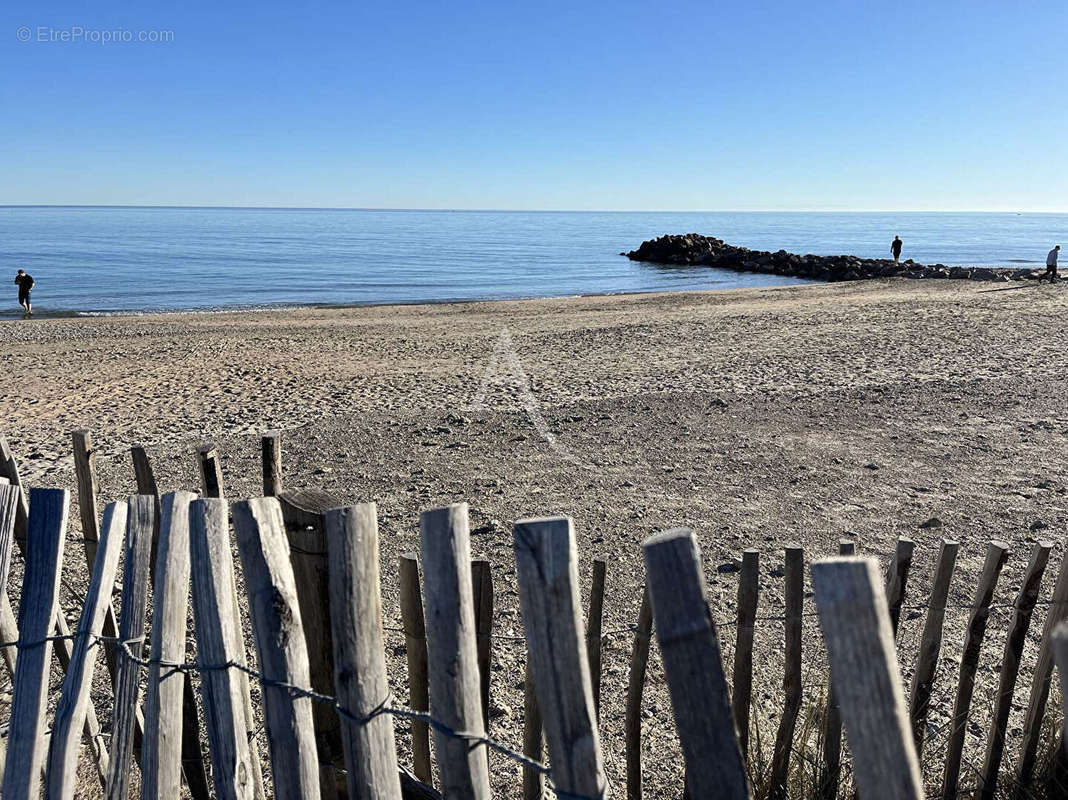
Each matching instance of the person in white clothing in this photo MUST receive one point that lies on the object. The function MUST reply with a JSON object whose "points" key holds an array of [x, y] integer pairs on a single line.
{"points": [[1051, 265]]}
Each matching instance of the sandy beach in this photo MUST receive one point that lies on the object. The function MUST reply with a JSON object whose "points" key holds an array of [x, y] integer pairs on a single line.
{"points": [[756, 417]]}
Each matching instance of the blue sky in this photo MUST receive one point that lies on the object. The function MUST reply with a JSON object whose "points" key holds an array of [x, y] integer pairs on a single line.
{"points": [[557, 105]]}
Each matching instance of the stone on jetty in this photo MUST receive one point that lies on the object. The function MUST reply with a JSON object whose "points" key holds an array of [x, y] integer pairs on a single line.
{"points": [[693, 249]]}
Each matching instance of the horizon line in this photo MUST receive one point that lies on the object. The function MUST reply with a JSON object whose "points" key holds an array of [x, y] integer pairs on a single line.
{"points": [[402, 209]]}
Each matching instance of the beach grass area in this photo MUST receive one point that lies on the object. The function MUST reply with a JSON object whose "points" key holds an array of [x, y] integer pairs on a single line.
{"points": [[756, 417]]}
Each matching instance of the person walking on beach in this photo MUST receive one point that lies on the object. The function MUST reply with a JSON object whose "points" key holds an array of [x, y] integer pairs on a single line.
{"points": [[1051, 265], [25, 283], [895, 248]]}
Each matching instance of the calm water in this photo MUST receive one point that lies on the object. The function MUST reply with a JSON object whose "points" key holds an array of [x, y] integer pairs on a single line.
{"points": [[100, 260]]}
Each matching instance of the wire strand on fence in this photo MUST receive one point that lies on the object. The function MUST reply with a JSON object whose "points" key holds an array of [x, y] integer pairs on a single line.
{"points": [[386, 706]]}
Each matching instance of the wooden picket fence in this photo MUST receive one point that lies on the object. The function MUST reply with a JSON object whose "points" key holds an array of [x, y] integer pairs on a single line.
{"points": [[310, 570]]}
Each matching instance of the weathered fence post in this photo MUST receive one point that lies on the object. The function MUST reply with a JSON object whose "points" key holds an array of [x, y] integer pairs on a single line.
{"points": [[897, 577], [210, 470], [830, 775], [9, 506], [271, 457], [85, 477], [533, 779], [9, 501], [9, 631], [235, 766], [211, 486], [594, 623], [64, 646], [359, 657], [26, 746], [1040, 681], [547, 569], [143, 474], [996, 554], [10, 496], [639, 660], [304, 514], [1010, 666], [280, 643], [930, 644], [482, 599], [140, 528], [794, 591], [161, 755], [1059, 646], [453, 652], [9, 469], [693, 667], [411, 603], [860, 646], [742, 676], [193, 766], [62, 773]]}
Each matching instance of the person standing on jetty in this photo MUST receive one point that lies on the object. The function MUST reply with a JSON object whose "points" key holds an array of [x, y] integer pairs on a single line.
{"points": [[895, 248], [25, 283], [1051, 265]]}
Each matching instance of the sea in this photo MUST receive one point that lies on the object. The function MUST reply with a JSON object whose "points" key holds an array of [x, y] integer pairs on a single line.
{"points": [[133, 260]]}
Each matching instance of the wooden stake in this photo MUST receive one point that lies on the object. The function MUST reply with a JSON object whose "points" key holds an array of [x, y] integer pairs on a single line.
{"points": [[64, 647], [860, 646], [547, 568], [533, 779], [235, 766], [693, 667], [832, 722], [639, 660], [1059, 647], [271, 452], [930, 644], [210, 470], [303, 512], [741, 697], [85, 477], [280, 644], [9, 469], [1010, 666], [27, 746], [1041, 678], [62, 773], [211, 487], [193, 766], [996, 554], [482, 598], [784, 741], [594, 623], [362, 685], [411, 603], [143, 474], [161, 756], [453, 652], [140, 528], [896, 578], [9, 505]]}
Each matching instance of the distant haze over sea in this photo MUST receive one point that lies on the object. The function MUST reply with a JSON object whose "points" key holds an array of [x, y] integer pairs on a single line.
{"points": [[129, 259]]}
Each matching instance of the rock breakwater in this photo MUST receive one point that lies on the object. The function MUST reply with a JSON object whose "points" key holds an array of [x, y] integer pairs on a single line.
{"points": [[693, 249]]}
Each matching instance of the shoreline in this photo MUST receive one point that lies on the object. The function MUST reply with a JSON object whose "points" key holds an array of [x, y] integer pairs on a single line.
{"points": [[16, 316], [281, 308]]}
